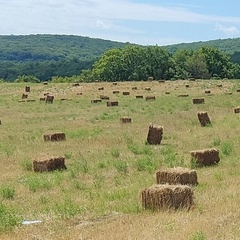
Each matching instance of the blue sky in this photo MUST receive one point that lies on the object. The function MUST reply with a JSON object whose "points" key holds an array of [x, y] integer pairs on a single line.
{"points": [[146, 22]]}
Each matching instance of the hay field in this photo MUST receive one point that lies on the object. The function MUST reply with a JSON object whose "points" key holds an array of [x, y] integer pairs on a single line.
{"points": [[108, 162]]}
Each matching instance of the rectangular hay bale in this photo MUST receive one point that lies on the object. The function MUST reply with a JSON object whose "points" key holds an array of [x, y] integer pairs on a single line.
{"points": [[49, 164]]}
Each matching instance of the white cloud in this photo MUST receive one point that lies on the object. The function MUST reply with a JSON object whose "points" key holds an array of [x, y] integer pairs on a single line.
{"points": [[230, 31]]}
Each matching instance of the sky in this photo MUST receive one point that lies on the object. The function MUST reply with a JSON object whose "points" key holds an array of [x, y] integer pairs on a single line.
{"points": [[145, 22]]}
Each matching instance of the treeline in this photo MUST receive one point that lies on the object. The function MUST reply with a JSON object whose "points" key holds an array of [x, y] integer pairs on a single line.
{"points": [[134, 63], [45, 56]]}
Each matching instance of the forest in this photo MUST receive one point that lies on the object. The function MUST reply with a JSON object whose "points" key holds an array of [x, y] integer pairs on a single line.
{"points": [[65, 58]]}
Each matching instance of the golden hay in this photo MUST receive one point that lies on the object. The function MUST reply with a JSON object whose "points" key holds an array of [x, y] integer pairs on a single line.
{"points": [[126, 93], [155, 133], [55, 137], [49, 164], [149, 98], [112, 104], [27, 89], [125, 120], [203, 118], [177, 175], [205, 157], [96, 101], [207, 91], [237, 110], [103, 97], [164, 196], [183, 95], [198, 100], [24, 96], [139, 96]]}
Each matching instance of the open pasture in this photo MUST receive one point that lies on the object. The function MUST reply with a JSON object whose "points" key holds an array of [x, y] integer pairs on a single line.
{"points": [[108, 162]]}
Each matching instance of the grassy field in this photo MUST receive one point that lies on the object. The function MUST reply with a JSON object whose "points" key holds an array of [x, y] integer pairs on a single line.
{"points": [[108, 163]]}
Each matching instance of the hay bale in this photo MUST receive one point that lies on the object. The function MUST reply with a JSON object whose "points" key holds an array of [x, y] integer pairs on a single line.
{"points": [[207, 91], [126, 93], [238, 90], [219, 85], [101, 88], [27, 89], [178, 175], [139, 96], [155, 133], [114, 83], [49, 99], [150, 79], [116, 92], [161, 81], [164, 196], [55, 137], [125, 120], [103, 97], [228, 93], [46, 93], [0, 122], [203, 118], [167, 92], [237, 110], [192, 79], [147, 88], [96, 101], [49, 164], [45, 83], [187, 86], [112, 104], [198, 100], [150, 98], [76, 84], [24, 96], [134, 88], [79, 93], [183, 95], [205, 157]]}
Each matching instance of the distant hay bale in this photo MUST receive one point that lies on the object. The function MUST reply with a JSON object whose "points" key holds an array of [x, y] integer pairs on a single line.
{"points": [[167, 92], [192, 79], [203, 118], [237, 110], [187, 86], [155, 133], [96, 101], [207, 91], [134, 88], [27, 89], [112, 103], [45, 83], [205, 157], [177, 175], [238, 90], [42, 99], [147, 88], [150, 79], [219, 85], [49, 164], [139, 96], [198, 100], [24, 96], [30, 100], [125, 120], [126, 93], [46, 93], [228, 93], [55, 137], [161, 81], [116, 92], [164, 197], [150, 98], [79, 93], [76, 84], [103, 97], [49, 99], [183, 95], [101, 88], [115, 83]]}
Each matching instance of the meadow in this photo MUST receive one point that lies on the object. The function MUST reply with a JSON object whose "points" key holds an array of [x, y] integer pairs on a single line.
{"points": [[109, 163]]}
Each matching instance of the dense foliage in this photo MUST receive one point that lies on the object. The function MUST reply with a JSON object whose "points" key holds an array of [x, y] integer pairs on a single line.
{"points": [[45, 56], [64, 58], [138, 63]]}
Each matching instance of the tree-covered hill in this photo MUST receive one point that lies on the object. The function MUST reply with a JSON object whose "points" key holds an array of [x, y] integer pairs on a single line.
{"points": [[44, 55]]}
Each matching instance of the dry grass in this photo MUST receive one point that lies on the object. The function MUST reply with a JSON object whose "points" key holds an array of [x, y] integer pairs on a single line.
{"points": [[108, 163]]}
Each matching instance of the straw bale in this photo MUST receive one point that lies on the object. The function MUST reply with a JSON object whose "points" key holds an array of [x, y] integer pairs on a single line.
{"points": [[187, 85], [178, 175], [147, 88], [101, 88], [134, 88], [192, 79], [125, 120], [161, 81], [115, 83], [164, 196], [155, 133], [150, 98], [126, 93], [198, 100], [183, 95], [79, 93], [112, 104], [238, 90], [103, 97], [205, 157], [150, 79], [76, 84], [49, 99], [237, 110], [55, 137], [219, 85], [139, 96], [203, 118], [116, 92], [27, 89], [96, 101], [207, 91], [45, 83], [167, 92], [24, 96], [49, 164], [46, 93]]}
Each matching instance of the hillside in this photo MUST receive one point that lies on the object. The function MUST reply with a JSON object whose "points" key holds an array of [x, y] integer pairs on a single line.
{"points": [[47, 55]]}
